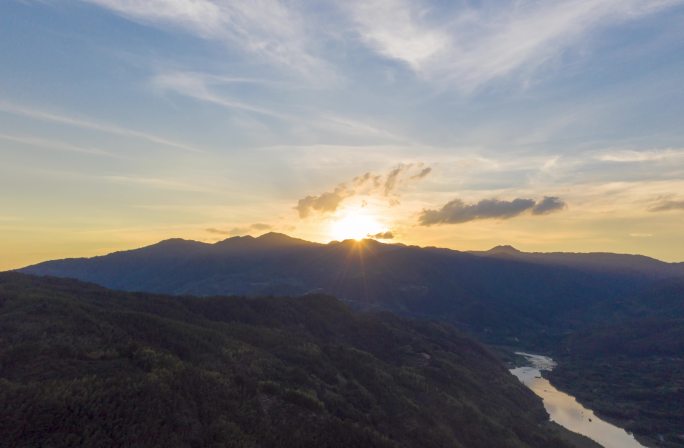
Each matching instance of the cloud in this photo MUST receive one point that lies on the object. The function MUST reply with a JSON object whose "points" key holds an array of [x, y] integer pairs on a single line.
{"points": [[272, 30], [547, 205], [239, 230], [154, 182], [324, 203], [388, 235], [468, 46], [391, 180], [92, 125], [368, 179], [424, 172], [401, 176], [261, 226], [463, 44], [219, 231], [631, 156], [206, 88], [456, 211], [54, 144], [667, 205], [198, 86], [387, 186], [393, 29]]}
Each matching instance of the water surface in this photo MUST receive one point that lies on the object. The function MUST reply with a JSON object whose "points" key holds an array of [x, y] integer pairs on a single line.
{"points": [[566, 411]]}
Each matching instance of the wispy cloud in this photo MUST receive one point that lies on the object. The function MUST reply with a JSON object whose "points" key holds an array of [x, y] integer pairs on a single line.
{"points": [[395, 29], [652, 155], [462, 44], [240, 230], [92, 125], [271, 29], [387, 186], [54, 144], [469, 46], [199, 87], [197, 77], [154, 182], [205, 87], [348, 126]]}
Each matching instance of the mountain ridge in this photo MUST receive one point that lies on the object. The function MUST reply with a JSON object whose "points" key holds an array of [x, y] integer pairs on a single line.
{"points": [[282, 239], [498, 297]]}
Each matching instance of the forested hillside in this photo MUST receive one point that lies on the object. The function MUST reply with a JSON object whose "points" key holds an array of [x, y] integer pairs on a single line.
{"points": [[631, 369], [84, 366], [613, 321]]}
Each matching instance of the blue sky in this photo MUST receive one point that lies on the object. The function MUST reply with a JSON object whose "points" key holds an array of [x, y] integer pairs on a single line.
{"points": [[126, 121]]}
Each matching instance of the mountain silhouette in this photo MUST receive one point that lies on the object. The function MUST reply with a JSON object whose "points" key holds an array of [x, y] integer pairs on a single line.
{"points": [[502, 295]]}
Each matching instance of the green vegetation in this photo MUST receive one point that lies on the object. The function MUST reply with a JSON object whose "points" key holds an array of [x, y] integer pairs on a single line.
{"points": [[84, 366], [632, 374], [631, 371], [614, 322]]}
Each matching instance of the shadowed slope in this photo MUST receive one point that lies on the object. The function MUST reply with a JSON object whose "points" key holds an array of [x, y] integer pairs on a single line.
{"points": [[501, 298], [82, 365]]}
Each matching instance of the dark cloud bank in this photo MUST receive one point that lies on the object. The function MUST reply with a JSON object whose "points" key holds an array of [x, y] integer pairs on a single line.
{"points": [[456, 211]]}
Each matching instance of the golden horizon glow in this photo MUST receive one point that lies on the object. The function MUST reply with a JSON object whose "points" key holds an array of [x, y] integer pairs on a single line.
{"points": [[355, 224]]}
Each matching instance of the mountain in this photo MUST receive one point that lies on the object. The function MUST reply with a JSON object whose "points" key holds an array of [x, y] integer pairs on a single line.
{"points": [[501, 297], [602, 262], [502, 250], [580, 308], [81, 365]]}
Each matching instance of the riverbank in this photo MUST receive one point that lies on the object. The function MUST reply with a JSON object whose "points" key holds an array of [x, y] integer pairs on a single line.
{"points": [[644, 403], [565, 410]]}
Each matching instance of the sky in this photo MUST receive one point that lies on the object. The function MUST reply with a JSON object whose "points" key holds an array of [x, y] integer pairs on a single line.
{"points": [[547, 125]]}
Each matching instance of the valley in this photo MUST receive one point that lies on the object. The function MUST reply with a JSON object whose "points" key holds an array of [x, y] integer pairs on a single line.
{"points": [[615, 329], [565, 410], [341, 224]]}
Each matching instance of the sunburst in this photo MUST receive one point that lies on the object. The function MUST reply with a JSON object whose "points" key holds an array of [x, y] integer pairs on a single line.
{"points": [[355, 225]]}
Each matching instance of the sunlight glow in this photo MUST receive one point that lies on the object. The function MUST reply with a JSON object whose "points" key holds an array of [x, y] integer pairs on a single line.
{"points": [[356, 225]]}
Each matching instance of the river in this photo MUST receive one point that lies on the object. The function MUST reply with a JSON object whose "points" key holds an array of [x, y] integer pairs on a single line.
{"points": [[566, 411]]}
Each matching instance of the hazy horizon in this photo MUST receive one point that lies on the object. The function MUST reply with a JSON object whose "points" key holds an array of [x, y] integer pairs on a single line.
{"points": [[548, 126]]}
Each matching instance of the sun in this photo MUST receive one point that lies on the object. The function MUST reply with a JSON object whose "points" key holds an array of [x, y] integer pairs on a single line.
{"points": [[355, 225]]}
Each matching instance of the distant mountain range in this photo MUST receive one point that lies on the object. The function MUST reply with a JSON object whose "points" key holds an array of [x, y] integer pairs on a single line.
{"points": [[597, 261], [501, 295]]}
